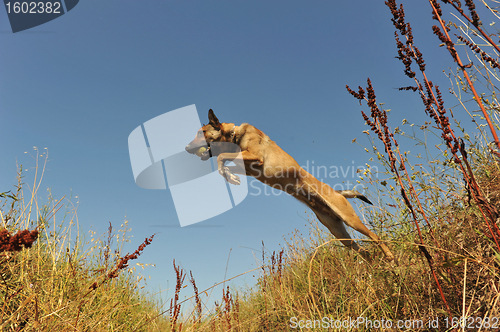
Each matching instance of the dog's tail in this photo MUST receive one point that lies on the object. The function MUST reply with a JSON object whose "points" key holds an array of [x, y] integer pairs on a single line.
{"points": [[354, 194]]}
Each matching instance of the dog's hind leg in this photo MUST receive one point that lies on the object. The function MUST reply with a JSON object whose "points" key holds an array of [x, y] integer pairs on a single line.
{"points": [[354, 222], [342, 210], [337, 228]]}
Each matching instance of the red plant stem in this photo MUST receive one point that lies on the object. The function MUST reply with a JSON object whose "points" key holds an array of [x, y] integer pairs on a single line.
{"points": [[469, 178], [429, 261], [460, 64], [495, 227], [412, 191], [495, 137], [431, 265], [468, 175], [415, 196], [461, 11], [391, 156], [440, 290]]}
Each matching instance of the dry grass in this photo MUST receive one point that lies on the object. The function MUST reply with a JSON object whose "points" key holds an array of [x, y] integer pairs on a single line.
{"points": [[52, 279]]}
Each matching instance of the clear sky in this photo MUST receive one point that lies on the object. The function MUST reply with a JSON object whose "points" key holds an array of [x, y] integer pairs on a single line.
{"points": [[80, 84]]}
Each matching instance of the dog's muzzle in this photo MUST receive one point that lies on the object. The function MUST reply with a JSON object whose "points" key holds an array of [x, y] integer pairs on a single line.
{"points": [[194, 150]]}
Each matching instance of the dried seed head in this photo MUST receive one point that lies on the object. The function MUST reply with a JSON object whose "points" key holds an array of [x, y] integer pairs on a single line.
{"points": [[493, 62], [22, 239], [472, 9]]}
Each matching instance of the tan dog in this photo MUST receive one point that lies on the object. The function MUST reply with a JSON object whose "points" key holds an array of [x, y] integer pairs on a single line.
{"points": [[268, 163]]}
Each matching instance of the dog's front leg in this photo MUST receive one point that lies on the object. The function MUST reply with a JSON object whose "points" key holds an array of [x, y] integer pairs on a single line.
{"points": [[225, 171], [229, 176]]}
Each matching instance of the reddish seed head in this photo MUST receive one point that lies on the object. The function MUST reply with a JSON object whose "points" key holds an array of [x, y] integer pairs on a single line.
{"points": [[24, 238]]}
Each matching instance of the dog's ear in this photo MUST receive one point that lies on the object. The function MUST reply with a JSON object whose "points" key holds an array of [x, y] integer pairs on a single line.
{"points": [[213, 119]]}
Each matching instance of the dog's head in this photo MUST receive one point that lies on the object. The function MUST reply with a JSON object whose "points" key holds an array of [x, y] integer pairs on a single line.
{"points": [[206, 136]]}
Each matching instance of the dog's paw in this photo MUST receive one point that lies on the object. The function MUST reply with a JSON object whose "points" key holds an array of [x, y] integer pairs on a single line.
{"points": [[230, 177]]}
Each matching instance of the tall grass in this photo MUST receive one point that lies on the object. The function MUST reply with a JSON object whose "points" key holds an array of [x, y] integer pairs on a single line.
{"points": [[52, 278]]}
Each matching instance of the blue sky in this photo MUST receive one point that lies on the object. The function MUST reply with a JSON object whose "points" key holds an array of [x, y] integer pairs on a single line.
{"points": [[80, 84]]}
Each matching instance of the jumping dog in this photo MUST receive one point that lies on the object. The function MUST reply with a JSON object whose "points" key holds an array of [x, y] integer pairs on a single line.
{"points": [[267, 162]]}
